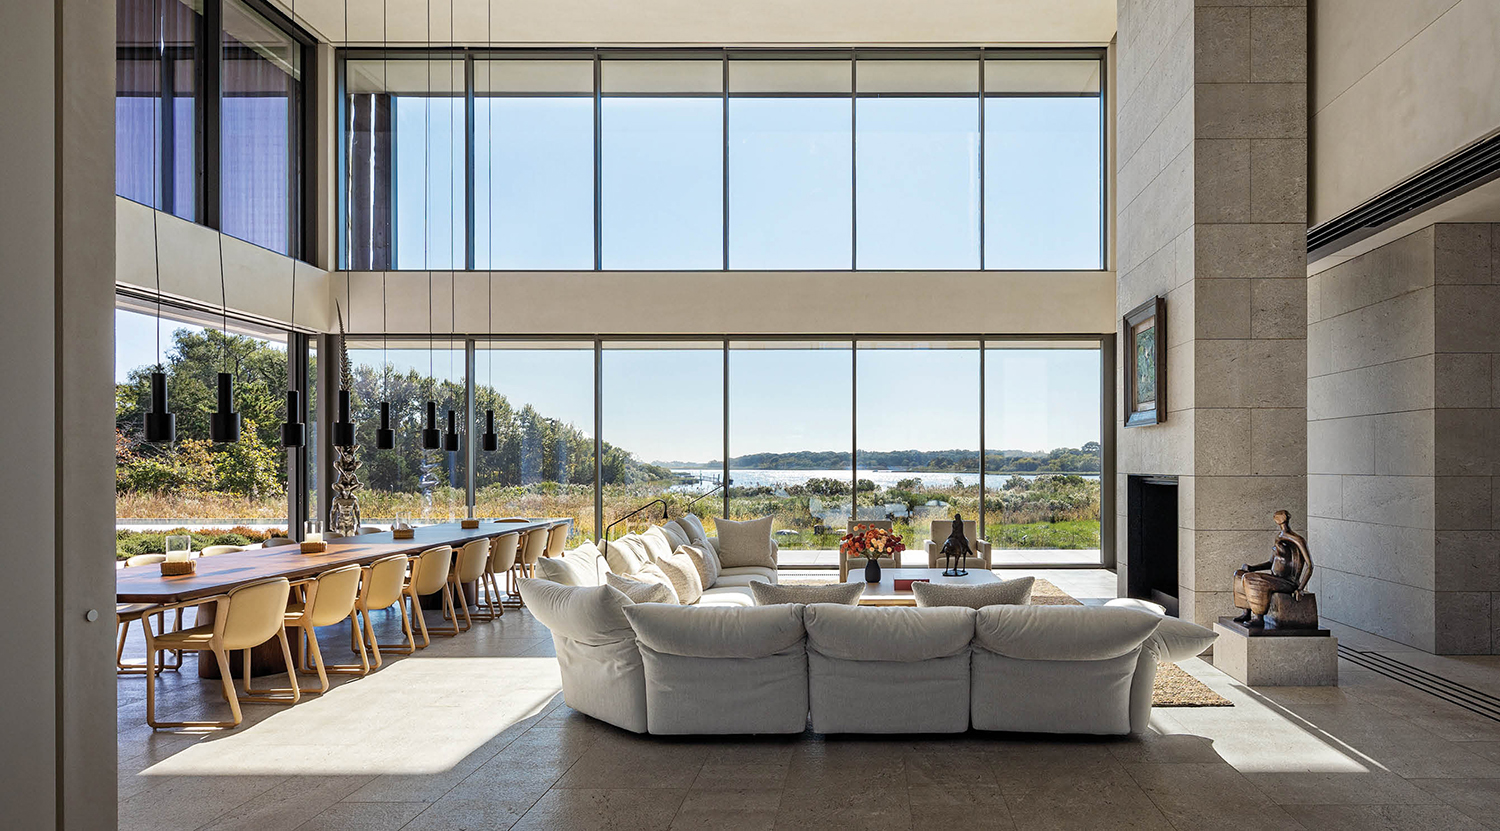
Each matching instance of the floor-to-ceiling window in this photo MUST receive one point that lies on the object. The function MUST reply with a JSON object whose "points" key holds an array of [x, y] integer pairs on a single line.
{"points": [[261, 81], [790, 422], [231, 492], [1043, 457], [917, 428], [541, 395], [157, 148], [662, 410], [424, 484]]}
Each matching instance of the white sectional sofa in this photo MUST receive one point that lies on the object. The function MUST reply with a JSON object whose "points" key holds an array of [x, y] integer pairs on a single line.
{"points": [[739, 669], [587, 565]]}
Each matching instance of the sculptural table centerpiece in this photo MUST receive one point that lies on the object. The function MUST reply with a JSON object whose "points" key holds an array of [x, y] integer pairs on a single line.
{"points": [[956, 547]]}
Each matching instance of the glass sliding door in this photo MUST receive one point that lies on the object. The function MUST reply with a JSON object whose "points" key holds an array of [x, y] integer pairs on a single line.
{"points": [[917, 427], [1043, 180], [1043, 451], [917, 164], [662, 163], [791, 406], [222, 493], [542, 395], [429, 485], [663, 428], [534, 164], [790, 178]]}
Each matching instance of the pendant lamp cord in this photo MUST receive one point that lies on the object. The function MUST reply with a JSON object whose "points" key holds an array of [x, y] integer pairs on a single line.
{"points": [[489, 68], [156, 175]]}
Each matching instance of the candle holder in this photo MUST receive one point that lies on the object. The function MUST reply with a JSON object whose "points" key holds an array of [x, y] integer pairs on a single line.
{"points": [[312, 537], [468, 523], [401, 529]]}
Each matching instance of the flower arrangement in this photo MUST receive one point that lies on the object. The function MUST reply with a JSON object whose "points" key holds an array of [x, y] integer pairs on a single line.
{"points": [[871, 543]]}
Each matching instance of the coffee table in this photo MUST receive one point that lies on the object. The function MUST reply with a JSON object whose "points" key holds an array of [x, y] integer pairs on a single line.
{"points": [[884, 593]]}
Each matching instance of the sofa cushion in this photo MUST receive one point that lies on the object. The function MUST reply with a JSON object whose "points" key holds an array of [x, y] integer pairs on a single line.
{"points": [[657, 543], [745, 543], [752, 572], [718, 632], [680, 570], [693, 527], [648, 590], [675, 533], [1062, 633], [1015, 592], [597, 654], [626, 555], [705, 560], [1178, 640], [579, 567], [771, 594], [723, 670], [727, 596], [1041, 696], [868, 633]]}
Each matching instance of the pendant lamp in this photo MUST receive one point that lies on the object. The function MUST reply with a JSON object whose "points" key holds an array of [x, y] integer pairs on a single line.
{"points": [[450, 439], [431, 438], [293, 431], [224, 424], [385, 437], [161, 424], [489, 441], [343, 426]]}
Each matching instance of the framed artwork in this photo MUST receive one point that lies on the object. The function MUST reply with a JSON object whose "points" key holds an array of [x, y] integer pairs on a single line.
{"points": [[1145, 331]]}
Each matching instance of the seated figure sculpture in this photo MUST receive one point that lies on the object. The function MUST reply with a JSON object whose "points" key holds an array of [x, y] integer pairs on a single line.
{"points": [[1256, 587]]}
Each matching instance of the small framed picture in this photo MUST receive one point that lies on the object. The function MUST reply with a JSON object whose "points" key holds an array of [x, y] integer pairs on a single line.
{"points": [[1145, 331]]}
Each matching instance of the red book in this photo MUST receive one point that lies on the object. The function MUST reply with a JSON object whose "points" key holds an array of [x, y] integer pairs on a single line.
{"points": [[905, 585]]}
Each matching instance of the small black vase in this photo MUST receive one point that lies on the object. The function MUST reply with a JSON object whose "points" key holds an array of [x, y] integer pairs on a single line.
{"points": [[872, 571]]}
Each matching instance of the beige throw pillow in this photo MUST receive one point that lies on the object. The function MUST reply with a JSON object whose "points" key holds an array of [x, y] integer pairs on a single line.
{"points": [[705, 560], [771, 594], [745, 543], [690, 525], [1015, 592], [675, 533], [683, 573], [657, 543], [625, 555], [643, 591]]}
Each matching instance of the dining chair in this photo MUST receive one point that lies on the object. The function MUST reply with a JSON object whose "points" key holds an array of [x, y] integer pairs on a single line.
{"points": [[128, 613], [557, 539], [502, 561], [429, 574], [274, 542], [244, 618], [468, 568], [532, 548], [380, 587], [511, 520], [367, 529], [326, 600], [213, 550]]}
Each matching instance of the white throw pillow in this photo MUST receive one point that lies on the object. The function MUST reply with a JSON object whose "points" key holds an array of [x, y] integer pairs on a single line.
{"points": [[775, 594], [626, 555], [643, 591], [706, 561], [578, 567], [675, 533], [683, 573], [1015, 592], [1178, 640], [745, 543], [690, 525], [657, 543]]}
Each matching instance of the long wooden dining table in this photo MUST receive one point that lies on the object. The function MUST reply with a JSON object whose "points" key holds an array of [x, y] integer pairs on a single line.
{"points": [[221, 573]]}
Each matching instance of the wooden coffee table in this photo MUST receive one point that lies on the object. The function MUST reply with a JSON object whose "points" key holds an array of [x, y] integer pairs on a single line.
{"points": [[884, 593]]}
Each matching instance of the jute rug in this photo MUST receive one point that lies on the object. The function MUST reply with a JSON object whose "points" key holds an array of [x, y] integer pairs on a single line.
{"points": [[1174, 687]]}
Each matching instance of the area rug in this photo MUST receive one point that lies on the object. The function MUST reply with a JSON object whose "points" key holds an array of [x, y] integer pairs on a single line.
{"points": [[1174, 687]]}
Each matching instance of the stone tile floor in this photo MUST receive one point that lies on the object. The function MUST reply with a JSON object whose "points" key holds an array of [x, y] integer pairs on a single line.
{"points": [[471, 734]]}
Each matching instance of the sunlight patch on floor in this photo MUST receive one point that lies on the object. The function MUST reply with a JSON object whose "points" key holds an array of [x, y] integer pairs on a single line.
{"points": [[416, 716]]}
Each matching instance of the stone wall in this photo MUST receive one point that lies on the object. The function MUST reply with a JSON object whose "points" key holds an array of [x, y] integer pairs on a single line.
{"points": [[1212, 214], [1402, 439]]}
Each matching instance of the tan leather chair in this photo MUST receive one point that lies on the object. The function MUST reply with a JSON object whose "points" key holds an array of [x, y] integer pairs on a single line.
{"points": [[502, 560], [467, 568], [557, 539], [214, 550], [532, 548], [382, 585], [848, 564], [244, 618], [429, 575], [128, 613], [941, 528], [326, 600]]}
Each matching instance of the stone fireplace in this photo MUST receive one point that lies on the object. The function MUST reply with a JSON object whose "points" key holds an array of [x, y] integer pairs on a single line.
{"points": [[1151, 539]]}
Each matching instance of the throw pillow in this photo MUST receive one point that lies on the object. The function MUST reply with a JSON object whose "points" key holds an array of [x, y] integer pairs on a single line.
{"points": [[642, 591], [745, 543], [680, 569], [690, 525], [1178, 640], [625, 555], [1015, 592], [657, 543], [574, 568], [771, 594], [675, 533], [705, 560]]}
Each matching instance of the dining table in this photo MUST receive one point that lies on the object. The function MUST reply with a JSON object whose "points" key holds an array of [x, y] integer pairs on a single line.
{"points": [[221, 573]]}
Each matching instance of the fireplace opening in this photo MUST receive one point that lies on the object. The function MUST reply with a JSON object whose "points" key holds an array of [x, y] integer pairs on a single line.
{"points": [[1151, 539]]}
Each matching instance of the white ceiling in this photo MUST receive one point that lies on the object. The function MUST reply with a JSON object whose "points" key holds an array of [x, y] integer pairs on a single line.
{"points": [[709, 22]]}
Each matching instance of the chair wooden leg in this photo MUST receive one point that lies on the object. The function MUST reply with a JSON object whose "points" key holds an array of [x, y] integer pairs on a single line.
{"points": [[416, 612], [448, 608], [276, 695], [357, 646]]}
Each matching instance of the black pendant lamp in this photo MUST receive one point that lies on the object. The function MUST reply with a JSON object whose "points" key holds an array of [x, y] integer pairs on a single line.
{"points": [[161, 425], [432, 439], [293, 431], [491, 441], [450, 438], [385, 437], [343, 429], [224, 425]]}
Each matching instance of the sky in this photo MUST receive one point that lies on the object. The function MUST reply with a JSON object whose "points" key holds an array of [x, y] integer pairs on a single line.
{"points": [[791, 204]]}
